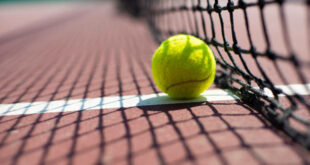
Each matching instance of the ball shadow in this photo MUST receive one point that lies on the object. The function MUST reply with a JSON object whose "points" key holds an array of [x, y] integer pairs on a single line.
{"points": [[165, 103]]}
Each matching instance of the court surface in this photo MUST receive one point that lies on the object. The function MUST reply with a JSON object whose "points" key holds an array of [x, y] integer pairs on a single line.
{"points": [[76, 88]]}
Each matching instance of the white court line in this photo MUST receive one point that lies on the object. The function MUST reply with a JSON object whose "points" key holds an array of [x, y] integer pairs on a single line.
{"points": [[127, 101]]}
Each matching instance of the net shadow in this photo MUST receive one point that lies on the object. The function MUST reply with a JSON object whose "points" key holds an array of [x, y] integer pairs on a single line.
{"points": [[170, 134]]}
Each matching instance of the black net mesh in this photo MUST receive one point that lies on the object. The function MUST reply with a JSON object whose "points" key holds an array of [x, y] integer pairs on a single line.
{"points": [[261, 48]]}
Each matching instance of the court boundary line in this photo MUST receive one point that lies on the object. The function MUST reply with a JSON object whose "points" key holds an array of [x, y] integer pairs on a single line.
{"points": [[111, 102]]}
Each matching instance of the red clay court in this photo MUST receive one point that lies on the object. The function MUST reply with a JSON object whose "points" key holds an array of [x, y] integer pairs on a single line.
{"points": [[76, 88]]}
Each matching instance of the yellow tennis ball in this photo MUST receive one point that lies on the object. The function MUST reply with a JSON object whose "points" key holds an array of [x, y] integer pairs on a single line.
{"points": [[183, 66]]}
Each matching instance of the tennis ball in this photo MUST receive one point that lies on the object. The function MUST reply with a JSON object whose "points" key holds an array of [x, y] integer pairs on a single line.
{"points": [[183, 66]]}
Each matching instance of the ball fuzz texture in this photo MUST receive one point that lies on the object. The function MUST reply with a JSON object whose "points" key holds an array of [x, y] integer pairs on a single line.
{"points": [[183, 66]]}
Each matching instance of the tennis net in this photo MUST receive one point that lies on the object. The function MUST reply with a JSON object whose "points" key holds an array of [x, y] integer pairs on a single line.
{"points": [[258, 44]]}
